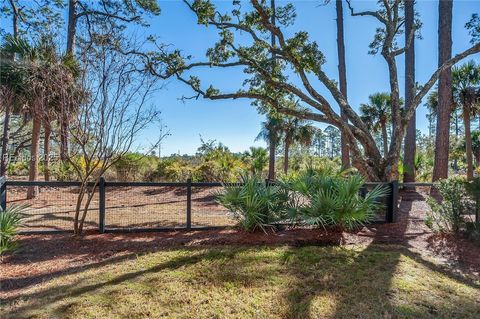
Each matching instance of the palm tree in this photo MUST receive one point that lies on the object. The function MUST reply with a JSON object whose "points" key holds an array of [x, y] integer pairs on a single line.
{"points": [[377, 114], [12, 90], [259, 160], [295, 130], [46, 81], [464, 80], [271, 133]]}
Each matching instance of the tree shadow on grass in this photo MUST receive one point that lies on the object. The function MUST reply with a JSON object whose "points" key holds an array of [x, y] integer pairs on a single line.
{"points": [[83, 286], [370, 282]]}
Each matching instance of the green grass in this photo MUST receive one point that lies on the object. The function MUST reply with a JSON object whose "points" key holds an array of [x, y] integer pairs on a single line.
{"points": [[281, 282]]}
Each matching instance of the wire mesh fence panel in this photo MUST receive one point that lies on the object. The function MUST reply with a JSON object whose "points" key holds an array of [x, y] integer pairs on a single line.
{"points": [[206, 212], [130, 207], [53, 209], [380, 215]]}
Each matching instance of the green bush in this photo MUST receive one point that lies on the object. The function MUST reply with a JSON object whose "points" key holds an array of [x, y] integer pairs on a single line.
{"points": [[63, 171], [333, 200], [316, 198], [134, 167], [19, 168], [254, 204], [10, 220], [447, 214], [173, 169]]}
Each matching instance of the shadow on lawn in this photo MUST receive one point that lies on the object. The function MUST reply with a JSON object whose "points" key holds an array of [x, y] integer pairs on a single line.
{"points": [[350, 283], [76, 288], [359, 284]]}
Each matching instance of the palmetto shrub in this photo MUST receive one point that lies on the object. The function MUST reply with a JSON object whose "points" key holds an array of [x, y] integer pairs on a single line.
{"points": [[254, 204], [334, 200], [316, 198], [10, 220]]}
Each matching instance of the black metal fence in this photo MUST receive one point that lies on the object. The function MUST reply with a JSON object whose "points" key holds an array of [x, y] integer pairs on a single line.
{"points": [[135, 206]]}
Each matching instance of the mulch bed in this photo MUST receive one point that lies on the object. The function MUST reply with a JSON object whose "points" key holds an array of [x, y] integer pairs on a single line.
{"points": [[42, 257]]}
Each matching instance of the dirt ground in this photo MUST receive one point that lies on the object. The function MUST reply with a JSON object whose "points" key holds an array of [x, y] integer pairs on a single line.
{"points": [[126, 207], [42, 257]]}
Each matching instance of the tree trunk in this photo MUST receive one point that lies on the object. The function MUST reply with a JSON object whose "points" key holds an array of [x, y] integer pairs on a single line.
{"points": [[468, 141], [440, 169], [64, 123], [33, 172], [271, 160], [342, 74], [477, 157], [71, 27], [384, 140], [285, 160], [411, 135], [273, 142], [6, 133], [46, 151], [71, 37], [15, 14], [455, 160], [8, 102]]}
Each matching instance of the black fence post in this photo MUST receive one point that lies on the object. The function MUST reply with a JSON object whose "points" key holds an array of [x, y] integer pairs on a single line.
{"points": [[392, 203], [101, 206], [363, 191], [189, 204], [3, 192]]}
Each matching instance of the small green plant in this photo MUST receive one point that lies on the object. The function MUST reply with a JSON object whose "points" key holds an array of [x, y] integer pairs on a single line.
{"points": [[10, 220], [254, 204], [334, 200], [473, 189], [447, 213]]}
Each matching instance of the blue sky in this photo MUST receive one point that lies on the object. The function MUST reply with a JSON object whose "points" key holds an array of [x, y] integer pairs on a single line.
{"points": [[236, 123]]}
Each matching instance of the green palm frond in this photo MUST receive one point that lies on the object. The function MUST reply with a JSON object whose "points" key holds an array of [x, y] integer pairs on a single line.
{"points": [[10, 221]]}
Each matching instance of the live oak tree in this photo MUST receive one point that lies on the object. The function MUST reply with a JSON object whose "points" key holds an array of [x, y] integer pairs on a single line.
{"points": [[298, 57]]}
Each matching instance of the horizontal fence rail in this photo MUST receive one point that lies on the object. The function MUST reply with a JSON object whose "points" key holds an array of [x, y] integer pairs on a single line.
{"points": [[141, 206]]}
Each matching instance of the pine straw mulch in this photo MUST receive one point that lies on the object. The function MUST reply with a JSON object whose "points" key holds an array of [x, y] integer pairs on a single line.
{"points": [[42, 257]]}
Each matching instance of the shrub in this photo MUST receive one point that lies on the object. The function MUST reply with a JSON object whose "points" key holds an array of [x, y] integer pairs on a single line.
{"points": [[254, 204], [134, 166], [63, 171], [172, 169], [447, 214], [19, 168], [334, 200], [10, 220]]}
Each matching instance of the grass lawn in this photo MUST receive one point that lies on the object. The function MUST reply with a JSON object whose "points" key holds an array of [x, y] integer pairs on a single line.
{"points": [[255, 282]]}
